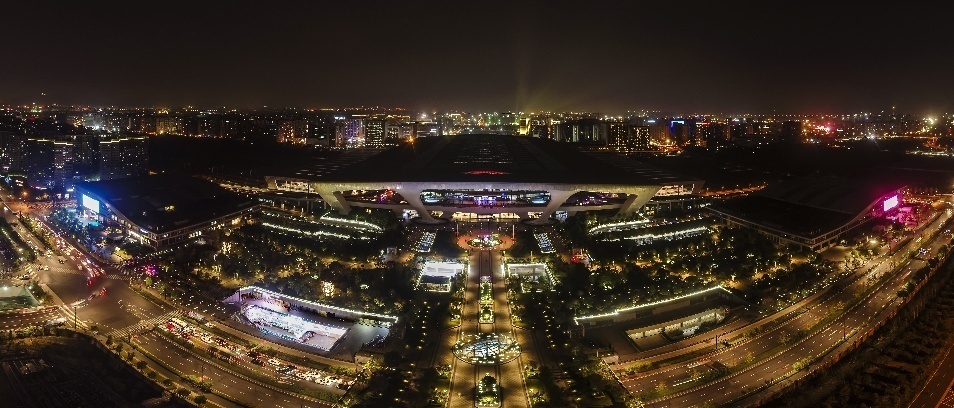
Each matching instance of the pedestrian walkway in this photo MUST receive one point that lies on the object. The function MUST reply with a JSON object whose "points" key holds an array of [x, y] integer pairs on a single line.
{"points": [[73, 271], [145, 324], [72, 319]]}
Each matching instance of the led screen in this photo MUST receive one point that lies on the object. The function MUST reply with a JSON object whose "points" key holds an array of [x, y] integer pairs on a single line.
{"points": [[91, 204], [890, 203]]}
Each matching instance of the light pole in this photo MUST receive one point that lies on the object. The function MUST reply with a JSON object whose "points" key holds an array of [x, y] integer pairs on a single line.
{"points": [[74, 317]]}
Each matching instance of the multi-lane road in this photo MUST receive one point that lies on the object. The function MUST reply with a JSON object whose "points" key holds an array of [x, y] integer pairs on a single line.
{"points": [[237, 387], [120, 309], [29, 317], [777, 361]]}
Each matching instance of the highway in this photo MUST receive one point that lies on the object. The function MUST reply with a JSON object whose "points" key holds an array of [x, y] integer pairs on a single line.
{"points": [[873, 308], [234, 386]]}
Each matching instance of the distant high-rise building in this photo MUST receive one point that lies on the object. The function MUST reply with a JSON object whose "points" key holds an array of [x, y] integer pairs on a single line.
{"points": [[659, 132], [85, 155], [710, 133], [123, 157], [292, 131], [353, 131], [540, 127], [584, 131], [639, 137], [94, 121], [392, 131], [374, 132], [617, 135], [679, 131], [322, 131], [166, 124], [401, 131], [791, 131], [426, 129], [626, 136], [11, 151], [48, 162]]}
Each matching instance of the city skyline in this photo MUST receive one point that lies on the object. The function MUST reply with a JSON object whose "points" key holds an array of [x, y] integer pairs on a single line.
{"points": [[499, 57]]}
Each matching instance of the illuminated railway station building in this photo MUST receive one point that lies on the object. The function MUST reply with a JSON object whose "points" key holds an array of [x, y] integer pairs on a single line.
{"points": [[482, 177], [811, 212]]}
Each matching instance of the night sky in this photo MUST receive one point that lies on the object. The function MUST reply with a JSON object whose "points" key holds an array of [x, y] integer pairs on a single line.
{"points": [[759, 57]]}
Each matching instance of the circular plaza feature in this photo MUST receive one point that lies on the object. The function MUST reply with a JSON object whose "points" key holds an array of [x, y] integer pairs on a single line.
{"points": [[485, 241], [486, 349]]}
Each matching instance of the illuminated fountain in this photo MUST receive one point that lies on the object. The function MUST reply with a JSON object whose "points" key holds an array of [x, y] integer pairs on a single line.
{"points": [[486, 349]]}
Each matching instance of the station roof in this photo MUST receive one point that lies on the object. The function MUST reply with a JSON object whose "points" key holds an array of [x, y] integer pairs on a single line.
{"points": [[829, 193], [494, 158], [808, 206], [161, 203]]}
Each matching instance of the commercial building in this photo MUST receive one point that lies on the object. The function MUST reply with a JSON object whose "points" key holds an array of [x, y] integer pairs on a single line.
{"points": [[163, 210], [475, 176], [627, 137], [374, 132], [811, 212], [48, 162], [11, 151]]}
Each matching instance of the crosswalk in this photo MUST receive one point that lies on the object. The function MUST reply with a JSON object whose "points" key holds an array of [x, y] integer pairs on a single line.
{"points": [[73, 271], [145, 324], [71, 318]]}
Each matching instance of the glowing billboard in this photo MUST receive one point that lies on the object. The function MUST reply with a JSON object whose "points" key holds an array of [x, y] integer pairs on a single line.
{"points": [[890, 203], [90, 203]]}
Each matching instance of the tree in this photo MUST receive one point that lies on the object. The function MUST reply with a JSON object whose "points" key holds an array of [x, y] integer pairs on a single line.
{"points": [[182, 392], [141, 365], [199, 399]]}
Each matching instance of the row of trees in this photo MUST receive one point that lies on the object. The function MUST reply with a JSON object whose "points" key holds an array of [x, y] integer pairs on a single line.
{"points": [[12, 247], [888, 372], [665, 271]]}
